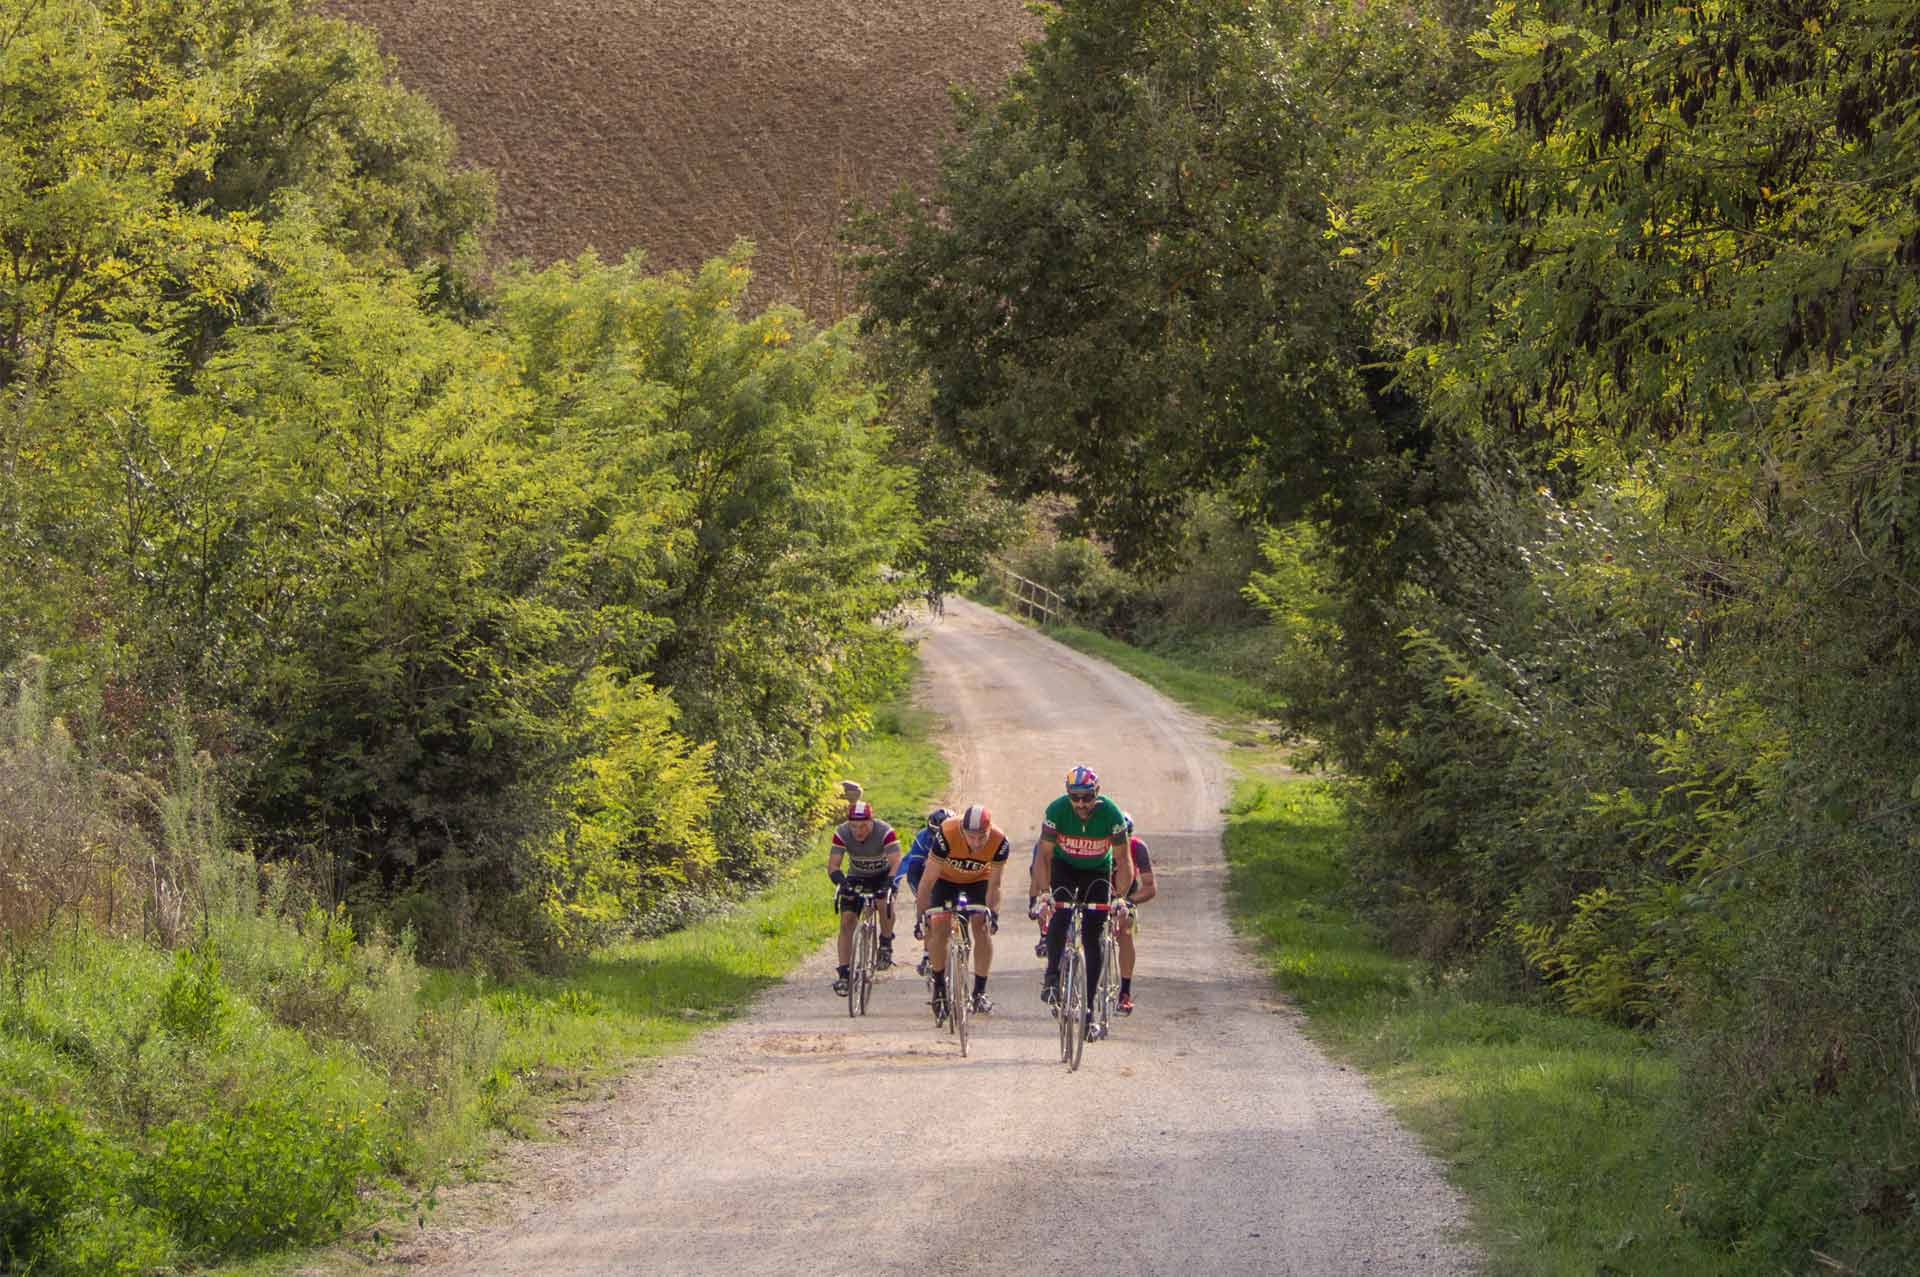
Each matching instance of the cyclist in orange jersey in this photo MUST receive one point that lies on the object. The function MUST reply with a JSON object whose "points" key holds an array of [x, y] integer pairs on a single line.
{"points": [[967, 855]]}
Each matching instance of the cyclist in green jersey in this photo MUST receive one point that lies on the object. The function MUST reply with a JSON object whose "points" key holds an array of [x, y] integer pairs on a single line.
{"points": [[1082, 853]]}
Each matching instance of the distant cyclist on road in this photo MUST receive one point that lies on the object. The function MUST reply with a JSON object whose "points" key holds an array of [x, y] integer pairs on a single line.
{"points": [[1082, 853], [872, 852], [966, 857], [914, 863], [1139, 893]]}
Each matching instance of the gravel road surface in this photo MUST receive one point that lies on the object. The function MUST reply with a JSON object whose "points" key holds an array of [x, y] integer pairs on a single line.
{"points": [[1207, 1136]]}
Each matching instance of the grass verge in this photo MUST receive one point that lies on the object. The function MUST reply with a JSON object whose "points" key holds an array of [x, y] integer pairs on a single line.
{"points": [[1557, 1130], [1233, 701]]}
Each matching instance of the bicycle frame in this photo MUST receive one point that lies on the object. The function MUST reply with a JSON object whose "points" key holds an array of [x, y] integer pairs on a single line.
{"points": [[1071, 1006], [959, 970], [866, 950]]}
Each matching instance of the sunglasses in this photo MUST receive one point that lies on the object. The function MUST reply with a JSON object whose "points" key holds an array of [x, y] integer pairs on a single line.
{"points": [[1083, 800]]}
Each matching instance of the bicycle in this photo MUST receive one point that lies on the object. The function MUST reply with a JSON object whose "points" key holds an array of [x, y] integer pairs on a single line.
{"points": [[1070, 999], [866, 950], [958, 1002]]}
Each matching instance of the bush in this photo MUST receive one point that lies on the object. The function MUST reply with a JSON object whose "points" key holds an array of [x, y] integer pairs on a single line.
{"points": [[44, 1169], [284, 1169]]}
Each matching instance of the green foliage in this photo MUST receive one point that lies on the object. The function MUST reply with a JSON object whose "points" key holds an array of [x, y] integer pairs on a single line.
{"points": [[61, 1208], [43, 1174], [1567, 1136], [281, 1169], [1119, 288], [194, 1004]]}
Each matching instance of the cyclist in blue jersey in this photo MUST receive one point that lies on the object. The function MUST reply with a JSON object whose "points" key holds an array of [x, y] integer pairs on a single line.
{"points": [[914, 863]]}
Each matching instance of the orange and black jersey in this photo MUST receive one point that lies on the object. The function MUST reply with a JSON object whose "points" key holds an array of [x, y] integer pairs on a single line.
{"points": [[950, 859]]}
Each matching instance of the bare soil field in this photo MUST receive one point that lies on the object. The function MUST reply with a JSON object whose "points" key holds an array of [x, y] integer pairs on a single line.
{"points": [[679, 126]]}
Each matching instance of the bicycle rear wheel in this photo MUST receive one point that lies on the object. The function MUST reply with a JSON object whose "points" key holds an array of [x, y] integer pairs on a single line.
{"points": [[1109, 992], [1073, 1006]]}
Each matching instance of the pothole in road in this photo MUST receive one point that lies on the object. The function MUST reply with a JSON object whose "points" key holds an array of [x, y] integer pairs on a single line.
{"points": [[814, 1044]]}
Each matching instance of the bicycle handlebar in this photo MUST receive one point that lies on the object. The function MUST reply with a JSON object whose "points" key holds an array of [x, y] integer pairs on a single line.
{"points": [[965, 908]]}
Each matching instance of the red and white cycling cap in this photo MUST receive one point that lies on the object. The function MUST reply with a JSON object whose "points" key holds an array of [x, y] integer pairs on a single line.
{"points": [[976, 819]]}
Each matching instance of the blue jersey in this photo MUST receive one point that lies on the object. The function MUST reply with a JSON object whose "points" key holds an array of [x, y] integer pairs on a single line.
{"points": [[915, 861]]}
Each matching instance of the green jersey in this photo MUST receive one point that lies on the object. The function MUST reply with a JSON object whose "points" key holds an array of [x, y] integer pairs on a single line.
{"points": [[1085, 843]]}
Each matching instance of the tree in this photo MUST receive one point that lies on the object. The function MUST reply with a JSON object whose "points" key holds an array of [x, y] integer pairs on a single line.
{"points": [[1122, 287]]}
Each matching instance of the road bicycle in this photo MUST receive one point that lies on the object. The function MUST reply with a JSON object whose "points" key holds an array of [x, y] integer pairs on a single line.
{"points": [[955, 1010], [866, 950], [1070, 1005]]}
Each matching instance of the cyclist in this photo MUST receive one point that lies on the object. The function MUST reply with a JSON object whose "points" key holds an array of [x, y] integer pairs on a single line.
{"points": [[915, 862], [872, 852], [1083, 842], [1141, 891], [967, 855]]}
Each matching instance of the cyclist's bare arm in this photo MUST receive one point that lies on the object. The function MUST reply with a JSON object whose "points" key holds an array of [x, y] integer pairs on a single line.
{"points": [[1147, 890], [1043, 866], [1122, 867]]}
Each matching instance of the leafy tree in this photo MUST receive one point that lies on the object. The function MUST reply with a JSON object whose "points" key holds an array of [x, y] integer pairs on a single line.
{"points": [[1121, 287], [773, 449]]}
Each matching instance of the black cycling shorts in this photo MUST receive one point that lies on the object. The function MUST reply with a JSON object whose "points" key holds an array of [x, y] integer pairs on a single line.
{"points": [[946, 893]]}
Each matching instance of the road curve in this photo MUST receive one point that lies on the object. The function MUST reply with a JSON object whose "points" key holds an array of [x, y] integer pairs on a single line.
{"points": [[1207, 1136]]}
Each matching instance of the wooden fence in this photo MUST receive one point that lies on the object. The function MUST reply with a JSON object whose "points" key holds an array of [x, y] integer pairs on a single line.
{"points": [[1030, 598]]}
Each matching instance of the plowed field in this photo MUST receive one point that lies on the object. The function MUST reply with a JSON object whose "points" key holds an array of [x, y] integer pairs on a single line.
{"points": [[677, 126]]}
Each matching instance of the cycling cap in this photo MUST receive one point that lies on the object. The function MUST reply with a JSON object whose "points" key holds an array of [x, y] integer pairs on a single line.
{"points": [[1082, 780], [860, 811], [977, 820], [938, 817], [1126, 818]]}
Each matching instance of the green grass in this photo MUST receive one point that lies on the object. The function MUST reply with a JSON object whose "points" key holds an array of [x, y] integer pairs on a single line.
{"points": [[1555, 1128], [420, 1073], [1217, 695]]}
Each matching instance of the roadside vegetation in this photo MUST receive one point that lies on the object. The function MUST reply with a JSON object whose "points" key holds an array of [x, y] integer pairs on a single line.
{"points": [[279, 1077]]}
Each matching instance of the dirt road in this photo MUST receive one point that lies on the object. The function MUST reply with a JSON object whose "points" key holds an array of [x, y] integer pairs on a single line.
{"points": [[1207, 1136]]}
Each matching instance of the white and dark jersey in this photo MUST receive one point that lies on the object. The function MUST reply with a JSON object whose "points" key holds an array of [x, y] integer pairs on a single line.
{"points": [[864, 859]]}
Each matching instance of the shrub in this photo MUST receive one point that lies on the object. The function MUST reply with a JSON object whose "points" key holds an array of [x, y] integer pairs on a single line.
{"points": [[44, 1167], [284, 1169]]}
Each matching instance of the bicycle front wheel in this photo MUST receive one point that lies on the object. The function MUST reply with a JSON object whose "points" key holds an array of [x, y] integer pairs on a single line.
{"points": [[960, 987], [870, 965], [1073, 1006], [860, 970]]}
